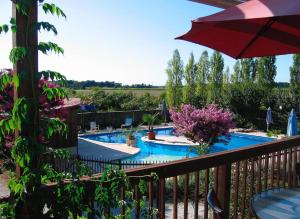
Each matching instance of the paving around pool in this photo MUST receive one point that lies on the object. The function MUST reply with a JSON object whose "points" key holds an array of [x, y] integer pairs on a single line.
{"points": [[166, 147]]}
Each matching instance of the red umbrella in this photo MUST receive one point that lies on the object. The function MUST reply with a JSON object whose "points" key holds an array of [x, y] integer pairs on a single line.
{"points": [[251, 29]]}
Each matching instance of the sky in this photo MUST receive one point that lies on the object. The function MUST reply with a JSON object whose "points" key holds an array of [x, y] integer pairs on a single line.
{"points": [[127, 41]]}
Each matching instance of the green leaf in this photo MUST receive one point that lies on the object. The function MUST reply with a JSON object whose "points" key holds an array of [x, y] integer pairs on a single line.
{"points": [[4, 29], [5, 80], [53, 9], [53, 75], [53, 92], [17, 54], [13, 26], [16, 81], [45, 26], [50, 47]]}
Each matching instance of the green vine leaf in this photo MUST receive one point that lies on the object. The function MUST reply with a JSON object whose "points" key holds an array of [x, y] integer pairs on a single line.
{"points": [[5, 79], [19, 112], [53, 92], [53, 75], [5, 127], [53, 9], [45, 26], [4, 28], [16, 81], [20, 152], [17, 54], [50, 47], [55, 125], [13, 26]]}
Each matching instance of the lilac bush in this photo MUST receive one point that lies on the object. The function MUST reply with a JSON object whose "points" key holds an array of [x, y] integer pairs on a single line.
{"points": [[204, 126]]}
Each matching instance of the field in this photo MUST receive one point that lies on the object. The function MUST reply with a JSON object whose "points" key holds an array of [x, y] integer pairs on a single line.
{"points": [[137, 91]]}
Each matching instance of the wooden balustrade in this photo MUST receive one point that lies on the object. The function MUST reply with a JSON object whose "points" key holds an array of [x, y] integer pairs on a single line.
{"points": [[235, 176]]}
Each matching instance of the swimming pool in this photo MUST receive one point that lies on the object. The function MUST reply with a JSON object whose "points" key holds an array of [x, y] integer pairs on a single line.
{"points": [[151, 151]]}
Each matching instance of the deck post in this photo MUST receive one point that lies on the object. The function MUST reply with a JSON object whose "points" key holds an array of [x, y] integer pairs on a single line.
{"points": [[26, 69], [223, 189]]}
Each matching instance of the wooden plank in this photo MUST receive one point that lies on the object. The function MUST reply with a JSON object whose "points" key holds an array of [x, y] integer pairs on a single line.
{"points": [[244, 187], [251, 184], [223, 195], [258, 189], [272, 169], [196, 195], [205, 193], [236, 190], [266, 171], [186, 196], [175, 200], [162, 198], [278, 161]]}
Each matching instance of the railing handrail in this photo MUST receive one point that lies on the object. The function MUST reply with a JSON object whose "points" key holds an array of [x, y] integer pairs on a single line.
{"points": [[188, 165]]}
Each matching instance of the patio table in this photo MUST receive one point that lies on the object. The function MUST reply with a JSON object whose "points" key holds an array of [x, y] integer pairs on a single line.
{"points": [[281, 203]]}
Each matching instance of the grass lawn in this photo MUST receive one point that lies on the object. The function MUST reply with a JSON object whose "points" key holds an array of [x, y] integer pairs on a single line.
{"points": [[138, 91]]}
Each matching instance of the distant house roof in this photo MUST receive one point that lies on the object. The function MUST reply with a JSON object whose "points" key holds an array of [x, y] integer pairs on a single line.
{"points": [[72, 102], [220, 3]]}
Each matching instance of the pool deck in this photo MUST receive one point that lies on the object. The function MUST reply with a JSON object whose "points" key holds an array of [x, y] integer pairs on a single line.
{"points": [[110, 151], [170, 140]]}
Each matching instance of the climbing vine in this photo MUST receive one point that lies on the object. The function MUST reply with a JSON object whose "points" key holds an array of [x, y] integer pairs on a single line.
{"points": [[41, 191]]}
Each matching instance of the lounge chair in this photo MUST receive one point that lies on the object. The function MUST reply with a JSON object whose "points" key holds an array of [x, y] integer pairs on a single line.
{"points": [[128, 123], [94, 126]]}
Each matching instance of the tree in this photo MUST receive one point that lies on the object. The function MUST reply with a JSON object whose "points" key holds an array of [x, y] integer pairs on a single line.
{"points": [[253, 68], [266, 71], [245, 70], [295, 76], [226, 76], [189, 76], [215, 78], [202, 74], [174, 83], [204, 126], [236, 75]]}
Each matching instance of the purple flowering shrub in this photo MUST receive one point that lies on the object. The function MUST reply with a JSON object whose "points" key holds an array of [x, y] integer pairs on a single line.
{"points": [[204, 126]]}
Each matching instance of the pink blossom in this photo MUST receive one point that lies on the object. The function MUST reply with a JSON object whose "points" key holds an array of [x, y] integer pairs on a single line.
{"points": [[202, 125]]}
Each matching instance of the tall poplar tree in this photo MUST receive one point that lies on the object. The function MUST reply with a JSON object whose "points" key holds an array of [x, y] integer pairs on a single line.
{"points": [[236, 75], [174, 83], [245, 70], [266, 71], [189, 77], [295, 76], [215, 78], [202, 72], [226, 76]]}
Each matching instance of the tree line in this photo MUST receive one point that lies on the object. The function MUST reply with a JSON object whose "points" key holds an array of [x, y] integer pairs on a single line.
{"points": [[79, 85], [247, 90]]}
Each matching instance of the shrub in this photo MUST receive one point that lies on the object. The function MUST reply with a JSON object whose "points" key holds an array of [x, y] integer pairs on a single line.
{"points": [[204, 126]]}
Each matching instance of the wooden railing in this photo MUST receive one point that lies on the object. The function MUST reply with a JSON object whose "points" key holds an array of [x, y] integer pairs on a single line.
{"points": [[235, 176]]}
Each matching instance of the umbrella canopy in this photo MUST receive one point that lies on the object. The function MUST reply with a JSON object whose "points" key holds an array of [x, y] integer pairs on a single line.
{"points": [[164, 110], [251, 29], [292, 128], [269, 119]]}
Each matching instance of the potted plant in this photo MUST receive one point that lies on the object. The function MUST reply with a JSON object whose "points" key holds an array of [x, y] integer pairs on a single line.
{"points": [[130, 138], [150, 119]]}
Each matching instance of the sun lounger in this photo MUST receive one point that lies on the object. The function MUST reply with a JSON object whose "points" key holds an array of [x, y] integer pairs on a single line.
{"points": [[128, 123]]}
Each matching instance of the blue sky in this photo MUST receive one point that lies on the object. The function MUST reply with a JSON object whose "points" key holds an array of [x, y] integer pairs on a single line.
{"points": [[127, 41]]}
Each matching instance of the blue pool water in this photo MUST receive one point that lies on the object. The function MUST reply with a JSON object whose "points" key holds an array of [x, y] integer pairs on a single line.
{"points": [[162, 152]]}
